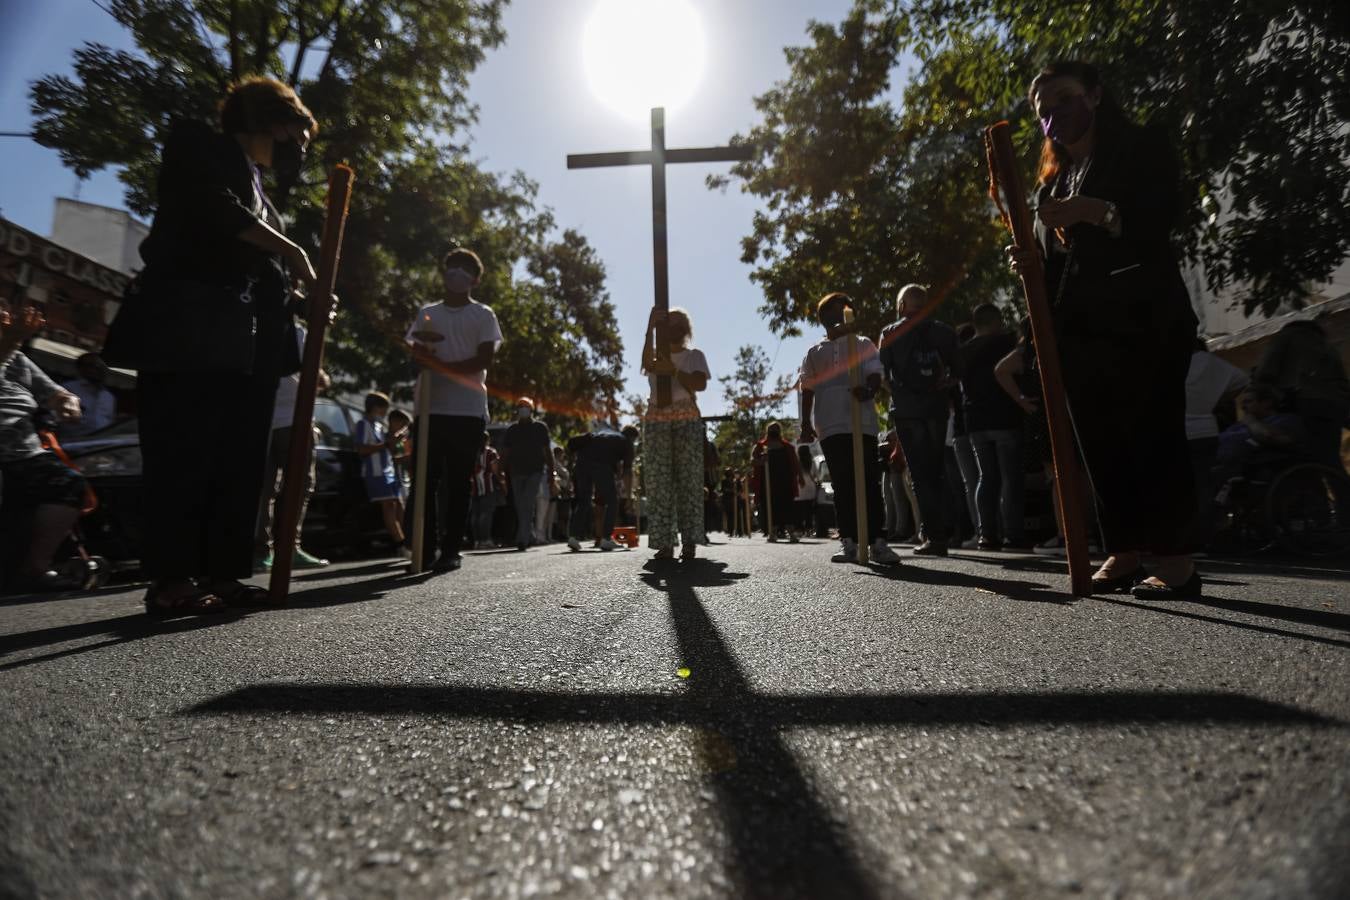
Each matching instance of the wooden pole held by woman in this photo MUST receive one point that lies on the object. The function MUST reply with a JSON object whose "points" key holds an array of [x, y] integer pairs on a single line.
{"points": [[855, 418], [287, 525], [1072, 493], [418, 564]]}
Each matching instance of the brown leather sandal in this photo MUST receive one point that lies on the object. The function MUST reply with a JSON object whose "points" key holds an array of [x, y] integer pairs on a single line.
{"points": [[190, 601], [243, 596]]}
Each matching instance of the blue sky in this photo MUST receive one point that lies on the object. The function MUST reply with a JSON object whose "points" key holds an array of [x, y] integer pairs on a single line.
{"points": [[536, 106]]}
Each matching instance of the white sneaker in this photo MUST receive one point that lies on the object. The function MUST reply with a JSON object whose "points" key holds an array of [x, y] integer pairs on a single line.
{"points": [[848, 551], [606, 544], [574, 545], [882, 554]]}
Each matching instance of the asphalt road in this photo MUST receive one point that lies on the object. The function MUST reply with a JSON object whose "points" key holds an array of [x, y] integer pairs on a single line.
{"points": [[759, 724]]}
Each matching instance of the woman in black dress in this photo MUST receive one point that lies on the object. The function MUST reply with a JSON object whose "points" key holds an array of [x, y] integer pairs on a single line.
{"points": [[203, 432], [1107, 202]]}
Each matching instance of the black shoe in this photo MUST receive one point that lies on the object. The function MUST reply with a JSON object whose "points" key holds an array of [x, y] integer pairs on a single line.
{"points": [[930, 548], [520, 548], [448, 562], [988, 546], [1120, 584], [1188, 588]]}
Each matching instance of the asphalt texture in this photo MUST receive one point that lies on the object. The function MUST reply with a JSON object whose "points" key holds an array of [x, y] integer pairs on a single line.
{"points": [[759, 723]]}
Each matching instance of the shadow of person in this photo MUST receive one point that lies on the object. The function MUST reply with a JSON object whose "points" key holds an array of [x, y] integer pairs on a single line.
{"points": [[1022, 591], [665, 575]]}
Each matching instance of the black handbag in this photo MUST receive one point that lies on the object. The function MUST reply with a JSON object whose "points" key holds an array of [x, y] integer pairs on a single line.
{"points": [[174, 325]]}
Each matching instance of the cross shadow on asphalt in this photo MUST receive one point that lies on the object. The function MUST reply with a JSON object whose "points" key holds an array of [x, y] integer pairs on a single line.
{"points": [[1287, 613], [785, 841]]}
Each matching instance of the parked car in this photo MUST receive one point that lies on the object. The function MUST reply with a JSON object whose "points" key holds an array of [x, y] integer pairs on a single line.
{"points": [[340, 520]]}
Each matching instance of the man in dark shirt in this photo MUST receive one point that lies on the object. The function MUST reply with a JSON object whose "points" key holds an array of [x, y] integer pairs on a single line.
{"points": [[994, 423], [920, 366], [528, 452], [602, 457]]}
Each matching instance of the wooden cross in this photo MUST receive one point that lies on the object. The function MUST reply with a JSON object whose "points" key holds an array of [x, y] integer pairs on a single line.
{"points": [[657, 157]]}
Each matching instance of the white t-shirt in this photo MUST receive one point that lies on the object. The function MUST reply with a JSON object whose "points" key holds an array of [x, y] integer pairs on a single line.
{"points": [[687, 361], [465, 328], [1209, 379], [825, 374], [283, 411]]}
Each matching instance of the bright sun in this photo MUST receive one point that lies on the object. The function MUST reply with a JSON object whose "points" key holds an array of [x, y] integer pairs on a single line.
{"points": [[643, 53]]}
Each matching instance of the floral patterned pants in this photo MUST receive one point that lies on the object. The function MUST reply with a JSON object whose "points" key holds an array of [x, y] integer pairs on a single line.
{"points": [[673, 467]]}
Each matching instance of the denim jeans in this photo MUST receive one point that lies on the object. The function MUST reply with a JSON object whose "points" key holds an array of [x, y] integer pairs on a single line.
{"points": [[963, 490], [524, 493], [999, 497]]}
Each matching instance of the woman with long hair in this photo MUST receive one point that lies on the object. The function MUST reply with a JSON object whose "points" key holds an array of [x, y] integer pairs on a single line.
{"points": [[673, 456], [1107, 202]]}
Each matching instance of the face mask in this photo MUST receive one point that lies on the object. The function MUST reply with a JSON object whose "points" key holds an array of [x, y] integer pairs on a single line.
{"points": [[1068, 122], [287, 158], [523, 414], [457, 281]]}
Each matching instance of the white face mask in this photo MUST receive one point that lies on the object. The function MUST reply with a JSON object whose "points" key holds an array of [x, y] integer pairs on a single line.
{"points": [[523, 414], [457, 281]]}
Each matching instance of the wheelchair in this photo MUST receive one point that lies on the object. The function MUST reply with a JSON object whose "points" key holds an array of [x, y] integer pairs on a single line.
{"points": [[1284, 502]]}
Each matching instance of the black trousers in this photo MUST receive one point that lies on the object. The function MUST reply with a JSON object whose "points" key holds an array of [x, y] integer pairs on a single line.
{"points": [[204, 451], [924, 442], [838, 449], [1127, 398], [452, 450]]}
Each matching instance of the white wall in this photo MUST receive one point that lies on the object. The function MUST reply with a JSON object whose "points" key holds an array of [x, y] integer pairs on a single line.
{"points": [[105, 235]]}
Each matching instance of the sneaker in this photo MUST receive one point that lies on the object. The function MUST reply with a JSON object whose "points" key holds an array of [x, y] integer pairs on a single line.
{"points": [[448, 562], [930, 548], [848, 551], [574, 545], [795, 537], [306, 560], [689, 550], [986, 545], [605, 544], [405, 552], [970, 544], [262, 564], [883, 554], [665, 553], [772, 539], [1052, 547]]}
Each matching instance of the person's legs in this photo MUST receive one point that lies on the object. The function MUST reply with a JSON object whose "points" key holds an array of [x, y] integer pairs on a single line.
{"points": [[838, 450], [988, 485], [389, 509], [965, 481], [888, 496], [582, 491], [658, 467], [872, 480], [278, 448], [1012, 481], [923, 443], [464, 436], [525, 494], [688, 460], [608, 490], [240, 429], [1203, 452], [175, 480]]}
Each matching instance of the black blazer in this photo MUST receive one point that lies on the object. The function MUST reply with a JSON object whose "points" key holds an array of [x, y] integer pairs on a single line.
{"points": [[207, 197], [1128, 286]]}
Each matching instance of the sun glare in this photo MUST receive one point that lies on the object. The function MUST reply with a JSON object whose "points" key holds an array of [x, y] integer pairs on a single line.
{"points": [[643, 53]]}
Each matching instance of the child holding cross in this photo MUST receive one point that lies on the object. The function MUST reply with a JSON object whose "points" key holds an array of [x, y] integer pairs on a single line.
{"points": [[826, 414]]}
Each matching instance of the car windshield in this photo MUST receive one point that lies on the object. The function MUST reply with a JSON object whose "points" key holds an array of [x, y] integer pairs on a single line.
{"points": [[334, 428]]}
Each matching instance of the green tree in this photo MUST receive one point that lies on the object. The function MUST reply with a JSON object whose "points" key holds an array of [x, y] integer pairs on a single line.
{"points": [[1254, 95], [753, 403], [386, 80]]}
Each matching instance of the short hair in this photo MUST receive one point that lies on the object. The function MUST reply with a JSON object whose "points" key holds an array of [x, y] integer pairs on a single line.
{"points": [[376, 398], [400, 414], [833, 299], [255, 105], [525, 401], [773, 426], [921, 289], [986, 315], [463, 258], [631, 432]]}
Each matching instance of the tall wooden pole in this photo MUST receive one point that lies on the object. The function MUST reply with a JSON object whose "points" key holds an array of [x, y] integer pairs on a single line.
{"points": [[424, 335], [1004, 173], [660, 253], [855, 417], [287, 524]]}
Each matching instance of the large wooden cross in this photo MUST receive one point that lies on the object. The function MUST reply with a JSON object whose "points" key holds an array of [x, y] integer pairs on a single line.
{"points": [[657, 157]]}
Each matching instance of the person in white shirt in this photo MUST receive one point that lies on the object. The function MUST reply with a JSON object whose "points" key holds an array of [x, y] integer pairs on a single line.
{"points": [[453, 341], [826, 415], [1209, 382], [673, 457], [98, 403]]}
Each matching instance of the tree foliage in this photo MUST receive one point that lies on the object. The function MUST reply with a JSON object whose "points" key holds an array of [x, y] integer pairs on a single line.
{"points": [[386, 79], [753, 402], [862, 195]]}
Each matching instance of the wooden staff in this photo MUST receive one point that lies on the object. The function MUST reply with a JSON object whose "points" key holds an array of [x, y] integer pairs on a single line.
{"points": [[287, 525], [855, 416], [1004, 174], [423, 335]]}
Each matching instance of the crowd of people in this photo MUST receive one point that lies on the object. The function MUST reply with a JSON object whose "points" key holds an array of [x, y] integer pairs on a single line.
{"points": [[966, 425]]}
